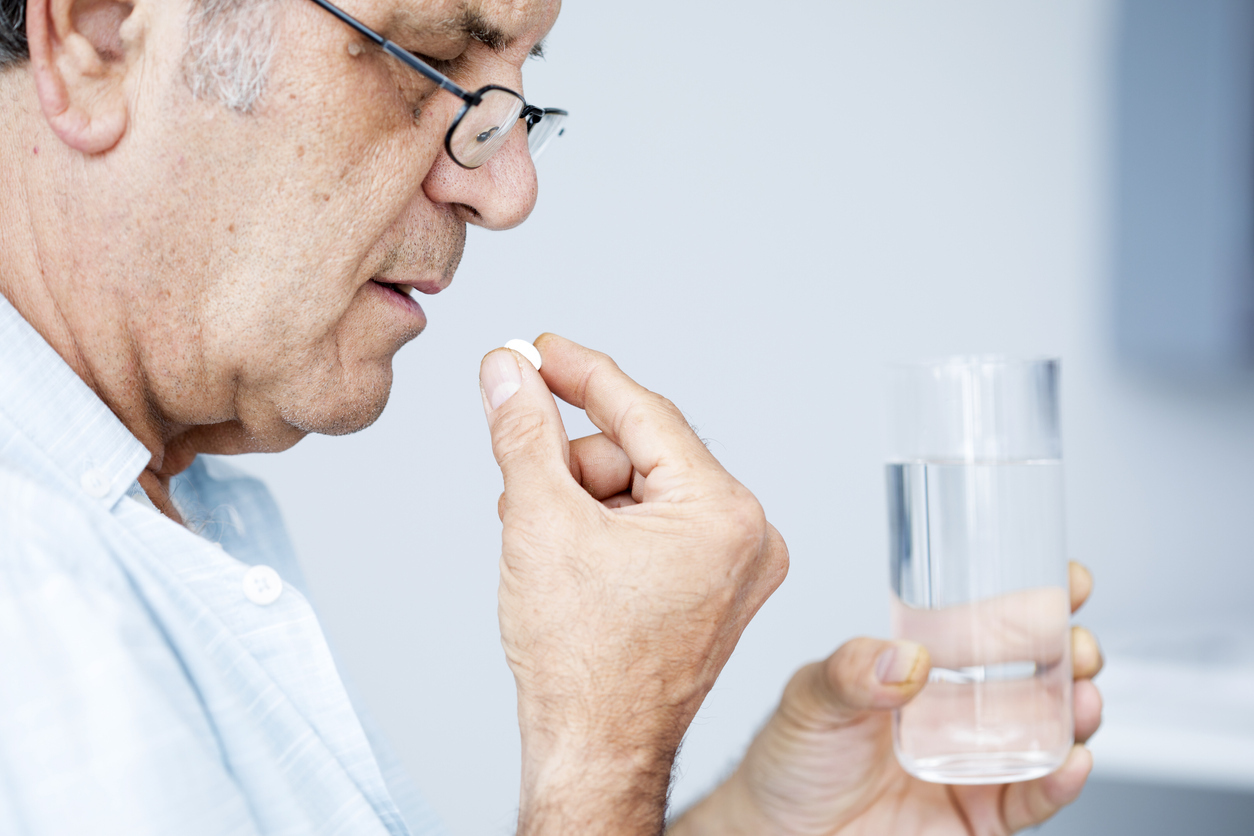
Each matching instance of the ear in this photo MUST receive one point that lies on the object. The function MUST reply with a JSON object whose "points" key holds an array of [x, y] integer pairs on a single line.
{"points": [[79, 58]]}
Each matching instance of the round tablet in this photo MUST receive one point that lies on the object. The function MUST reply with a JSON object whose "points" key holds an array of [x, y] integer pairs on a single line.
{"points": [[527, 350]]}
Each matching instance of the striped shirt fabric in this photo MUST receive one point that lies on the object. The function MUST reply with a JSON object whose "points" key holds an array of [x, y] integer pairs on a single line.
{"points": [[157, 679]]}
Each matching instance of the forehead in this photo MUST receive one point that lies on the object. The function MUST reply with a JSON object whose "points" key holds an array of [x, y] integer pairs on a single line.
{"points": [[504, 25]]}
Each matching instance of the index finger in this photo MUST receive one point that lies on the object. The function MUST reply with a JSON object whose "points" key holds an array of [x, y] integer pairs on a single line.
{"points": [[1027, 625], [649, 428], [1081, 584]]}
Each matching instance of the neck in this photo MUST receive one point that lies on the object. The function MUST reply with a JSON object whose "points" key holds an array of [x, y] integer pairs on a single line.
{"points": [[59, 278]]}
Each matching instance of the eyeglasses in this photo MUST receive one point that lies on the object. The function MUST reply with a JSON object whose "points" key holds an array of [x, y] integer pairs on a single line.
{"points": [[489, 114]]}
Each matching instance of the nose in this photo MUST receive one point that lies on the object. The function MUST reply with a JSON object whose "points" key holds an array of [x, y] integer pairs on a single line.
{"points": [[500, 193]]}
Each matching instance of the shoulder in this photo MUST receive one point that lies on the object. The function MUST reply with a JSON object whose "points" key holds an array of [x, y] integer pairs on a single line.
{"points": [[101, 728], [62, 586]]}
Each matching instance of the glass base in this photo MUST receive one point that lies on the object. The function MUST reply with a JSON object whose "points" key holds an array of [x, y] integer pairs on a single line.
{"points": [[983, 767]]}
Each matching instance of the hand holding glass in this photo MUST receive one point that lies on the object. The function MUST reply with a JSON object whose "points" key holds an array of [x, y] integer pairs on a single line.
{"points": [[979, 572]]}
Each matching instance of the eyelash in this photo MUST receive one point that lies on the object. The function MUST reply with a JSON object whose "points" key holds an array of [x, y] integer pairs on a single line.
{"points": [[440, 65]]}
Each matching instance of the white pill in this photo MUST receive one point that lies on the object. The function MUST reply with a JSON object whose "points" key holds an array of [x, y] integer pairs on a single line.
{"points": [[527, 350]]}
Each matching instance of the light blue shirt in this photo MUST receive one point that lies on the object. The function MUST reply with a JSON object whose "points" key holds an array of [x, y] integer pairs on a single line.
{"points": [[148, 684]]}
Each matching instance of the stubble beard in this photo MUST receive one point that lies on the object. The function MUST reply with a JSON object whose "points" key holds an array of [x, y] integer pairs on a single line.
{"points": [[367, 404]]}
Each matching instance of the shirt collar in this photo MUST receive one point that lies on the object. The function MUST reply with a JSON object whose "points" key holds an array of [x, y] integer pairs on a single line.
{"points": [[55, 414]]}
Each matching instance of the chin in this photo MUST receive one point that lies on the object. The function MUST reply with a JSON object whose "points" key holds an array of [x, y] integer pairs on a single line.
{"points": [[347, 411]]}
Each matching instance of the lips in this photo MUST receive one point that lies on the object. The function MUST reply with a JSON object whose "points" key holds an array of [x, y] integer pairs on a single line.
{"points": [[403, 289], [407, 287]]}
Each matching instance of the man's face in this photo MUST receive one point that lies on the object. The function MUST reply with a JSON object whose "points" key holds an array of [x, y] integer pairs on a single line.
{"points": [[271, 251]]}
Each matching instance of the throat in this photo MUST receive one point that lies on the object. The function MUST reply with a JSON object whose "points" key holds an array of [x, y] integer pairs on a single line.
{"points": [[158, 490]]}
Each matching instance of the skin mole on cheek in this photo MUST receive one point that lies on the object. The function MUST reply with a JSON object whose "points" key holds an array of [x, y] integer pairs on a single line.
{"points": [[354, 49]]}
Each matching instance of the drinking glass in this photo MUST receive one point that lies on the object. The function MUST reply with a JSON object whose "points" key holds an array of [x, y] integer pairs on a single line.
{"points": [[978, 568]]}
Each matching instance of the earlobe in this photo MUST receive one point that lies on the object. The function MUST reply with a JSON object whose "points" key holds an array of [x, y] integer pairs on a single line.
{"points": [[78, 59]]}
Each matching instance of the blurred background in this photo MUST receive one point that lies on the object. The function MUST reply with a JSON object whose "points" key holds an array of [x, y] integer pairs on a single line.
{"points": [[755, 207]]}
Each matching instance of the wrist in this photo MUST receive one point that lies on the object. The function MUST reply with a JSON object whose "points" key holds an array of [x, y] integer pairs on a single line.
{"points": [[594, 788], [602, 772]]}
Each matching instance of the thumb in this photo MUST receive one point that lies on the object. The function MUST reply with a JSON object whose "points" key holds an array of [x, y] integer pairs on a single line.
{"points": [[863, 675], [528, 438]]}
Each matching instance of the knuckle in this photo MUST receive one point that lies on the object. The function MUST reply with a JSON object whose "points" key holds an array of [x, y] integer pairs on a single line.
{"points": [[599, 373], [634, 415], [638, 416], [778, 563], [667, 408], [604, 361], [745, 519], [515, 433], [648, 410]]}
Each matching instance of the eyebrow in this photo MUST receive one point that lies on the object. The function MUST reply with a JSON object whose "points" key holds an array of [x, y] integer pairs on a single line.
{"points": [[477, 27], [469, 24]]}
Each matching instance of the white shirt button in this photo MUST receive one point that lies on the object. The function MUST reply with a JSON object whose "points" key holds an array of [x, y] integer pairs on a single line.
{"points": [[95, 483], [262, 585]]}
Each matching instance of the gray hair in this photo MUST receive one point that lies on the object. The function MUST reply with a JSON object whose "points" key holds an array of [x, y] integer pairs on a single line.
{"points": [[12, 33], [230, 46]]}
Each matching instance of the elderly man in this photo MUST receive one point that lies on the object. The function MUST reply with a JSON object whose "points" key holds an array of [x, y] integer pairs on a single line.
{"points": [[213, 217]]}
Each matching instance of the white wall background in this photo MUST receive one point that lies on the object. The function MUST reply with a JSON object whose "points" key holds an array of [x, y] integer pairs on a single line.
{"points": [[755, 206]]}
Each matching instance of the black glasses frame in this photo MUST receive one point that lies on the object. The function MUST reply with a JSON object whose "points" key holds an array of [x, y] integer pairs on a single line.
{"points": [[531, 114]]}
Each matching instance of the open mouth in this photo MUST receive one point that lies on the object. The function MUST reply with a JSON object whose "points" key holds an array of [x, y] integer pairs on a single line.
{"points": [[402, 289]]}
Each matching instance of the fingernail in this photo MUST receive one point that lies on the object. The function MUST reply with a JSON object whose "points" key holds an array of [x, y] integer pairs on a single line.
{"points": [[895, 664], [500, 378]]}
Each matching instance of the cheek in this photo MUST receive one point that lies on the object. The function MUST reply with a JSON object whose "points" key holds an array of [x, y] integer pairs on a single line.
{"points": [[340, 162], [368, 161], [334, 199], [272, 315], [346, 207]]}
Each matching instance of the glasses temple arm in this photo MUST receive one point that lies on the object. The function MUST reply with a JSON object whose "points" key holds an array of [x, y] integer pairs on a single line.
{"points": [[399, 53], [414, 62]]}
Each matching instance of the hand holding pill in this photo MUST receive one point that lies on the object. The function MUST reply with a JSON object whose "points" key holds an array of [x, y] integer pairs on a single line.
{"points": [[631, 562]]}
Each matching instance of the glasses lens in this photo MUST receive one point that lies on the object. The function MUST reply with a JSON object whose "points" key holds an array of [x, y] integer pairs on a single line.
{"points": [[550, 126], [483, 128]]}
